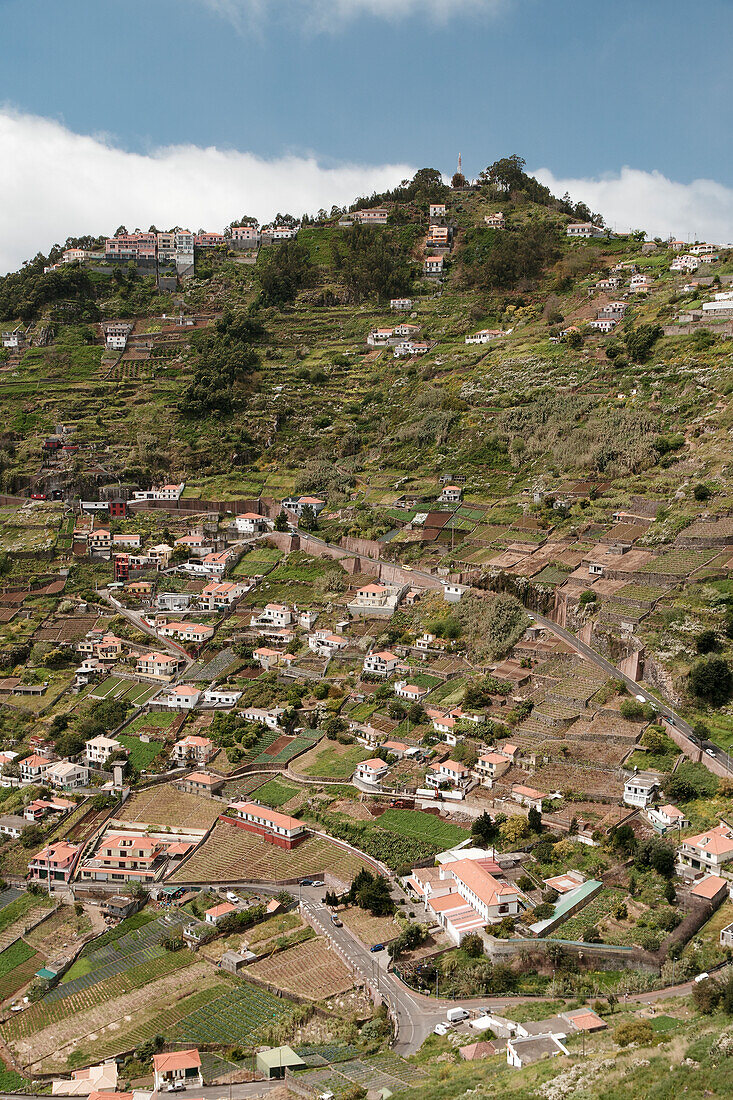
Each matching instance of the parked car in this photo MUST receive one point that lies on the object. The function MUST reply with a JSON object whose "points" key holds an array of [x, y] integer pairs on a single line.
{"points": [[232, 897], [317, 882], [377, 947], [307, 882], [440, 1029]]}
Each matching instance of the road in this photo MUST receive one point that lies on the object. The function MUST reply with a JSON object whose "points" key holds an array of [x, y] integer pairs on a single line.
{"points": [[247, 1090]]}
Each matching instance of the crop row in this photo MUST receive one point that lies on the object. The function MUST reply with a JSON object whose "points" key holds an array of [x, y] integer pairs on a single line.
{"points": [[46, 1012], [234, 1017]]}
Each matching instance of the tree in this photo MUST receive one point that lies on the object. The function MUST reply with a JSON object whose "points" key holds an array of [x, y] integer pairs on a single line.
{"points": [[640, 341], [534, 819], [484, 829], [701, 492], [516, 828], [707, 641], [507, 173], [458, 180], [707, 995], [543, 911], [281, 521], [632, 710], [473, 945], [308, 520], [711, 680]]}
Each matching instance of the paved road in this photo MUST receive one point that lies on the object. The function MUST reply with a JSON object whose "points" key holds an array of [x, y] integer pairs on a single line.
{"points": [[415, 1021]]}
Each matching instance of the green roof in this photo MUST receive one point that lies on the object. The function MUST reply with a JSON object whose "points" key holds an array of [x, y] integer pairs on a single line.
{"points": [[279, 1056]]}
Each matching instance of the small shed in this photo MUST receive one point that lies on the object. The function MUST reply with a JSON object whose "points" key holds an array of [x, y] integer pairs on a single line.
{"points": [[234, 961], [273, 1063]]}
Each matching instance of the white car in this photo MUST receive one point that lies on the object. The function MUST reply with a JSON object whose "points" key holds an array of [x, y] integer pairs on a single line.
{"points": [[441, 1029], [232, 897]]}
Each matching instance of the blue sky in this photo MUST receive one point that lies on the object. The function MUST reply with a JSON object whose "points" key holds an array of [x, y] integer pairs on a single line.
{"points": [[577, 87]]}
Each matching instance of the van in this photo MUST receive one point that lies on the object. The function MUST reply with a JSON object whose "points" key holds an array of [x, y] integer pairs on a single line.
{"points": [[702, 977], [457, 1015]]}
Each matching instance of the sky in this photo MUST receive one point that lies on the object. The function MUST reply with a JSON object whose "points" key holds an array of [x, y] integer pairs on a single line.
{"points": [[198, 111]]}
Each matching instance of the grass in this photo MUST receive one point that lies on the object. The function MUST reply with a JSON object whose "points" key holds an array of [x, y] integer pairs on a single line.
{"points": [[332, 761], [142, 754], [275, 793], [422, 826], [18, 964]]}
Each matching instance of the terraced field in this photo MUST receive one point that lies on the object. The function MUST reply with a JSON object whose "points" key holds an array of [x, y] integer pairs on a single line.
{"points": [[98, 1021], [309, 969], [421, 826], [236, 1016], [18, 964], [231, 854], [164, 805]]}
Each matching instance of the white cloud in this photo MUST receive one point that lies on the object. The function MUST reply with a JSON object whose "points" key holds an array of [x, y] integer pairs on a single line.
{"points": [[55, 183], [702, 209], [333, 14]]}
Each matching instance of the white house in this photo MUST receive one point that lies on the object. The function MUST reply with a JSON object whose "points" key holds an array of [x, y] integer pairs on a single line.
{"points": [[99, 749], [494, 221], [250, 523], [413, 693], [450, 772], [200, 749], [222, 697], [66, 775], [667, 817], [603, 324], [708, 851], [187, 632], [404, 304], [451, 494], [528, 796], [273, 614], [382, 663], [371, 771], [177, 1067], [641, 789], [165, 492], [411, 347], [583, 230], [380, 337], [297, 504], [437, 210], [433, 265], [484, 336], [182, 697], [269, 718]]}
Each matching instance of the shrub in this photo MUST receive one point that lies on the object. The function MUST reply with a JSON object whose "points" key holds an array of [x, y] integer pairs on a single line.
{"points": [[632, 710], [473, 945], [638, 1032], [711, 680], [707, 642], [707, 995]]}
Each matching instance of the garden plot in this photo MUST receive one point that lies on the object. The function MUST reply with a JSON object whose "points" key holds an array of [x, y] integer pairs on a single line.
{"points": [[231, 854], [165, 806], [331, 760], [47, 1034], [310, 969], [370, 929], [235, 1017], [119, 687], [418, 825], [18, 964]]}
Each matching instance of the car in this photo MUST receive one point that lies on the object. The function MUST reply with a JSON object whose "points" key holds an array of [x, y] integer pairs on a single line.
{"points": [[377, 947], [306, 882], [177, 1086], [336, 922], [317, 882], [702, 977], [709, 752], [440, 1029], [231, 896]]}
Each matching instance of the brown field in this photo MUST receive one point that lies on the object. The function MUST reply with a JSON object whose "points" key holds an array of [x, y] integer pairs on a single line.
{"points": [[164, 805], [310, 969], [59, 932], [231, 854], [370, 929]]}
